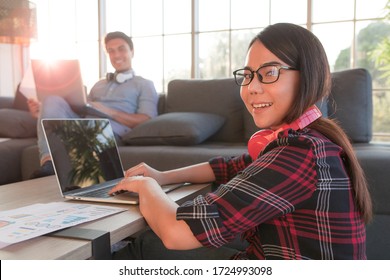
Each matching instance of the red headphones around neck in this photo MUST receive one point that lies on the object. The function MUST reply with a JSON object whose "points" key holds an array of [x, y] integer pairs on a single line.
{"points": [[262, 138]]}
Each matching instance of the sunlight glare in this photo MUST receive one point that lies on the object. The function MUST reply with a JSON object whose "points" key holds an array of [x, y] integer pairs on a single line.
{"points": [[51, 51]]}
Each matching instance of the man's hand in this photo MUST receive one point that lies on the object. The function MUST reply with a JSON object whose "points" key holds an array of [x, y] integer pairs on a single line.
{"points": [[34, 106]]}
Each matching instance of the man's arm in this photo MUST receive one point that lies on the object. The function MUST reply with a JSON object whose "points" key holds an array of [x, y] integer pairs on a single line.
{"points": [[129, 120]]}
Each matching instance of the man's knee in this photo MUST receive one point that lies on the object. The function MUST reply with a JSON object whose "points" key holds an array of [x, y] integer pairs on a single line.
{"points": [[55, 106]]}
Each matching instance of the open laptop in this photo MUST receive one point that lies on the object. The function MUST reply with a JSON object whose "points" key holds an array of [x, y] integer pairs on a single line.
{"points": [[63, 78], [86, 160]]}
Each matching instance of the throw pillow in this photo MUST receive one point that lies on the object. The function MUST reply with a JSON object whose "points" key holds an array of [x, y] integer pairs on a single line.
{"points": [[177, 128], [17, 124]]}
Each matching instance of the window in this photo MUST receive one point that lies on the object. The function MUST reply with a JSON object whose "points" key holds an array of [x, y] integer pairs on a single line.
{"points": [[161, 35], [351, 35], [209, 39], [68, 29]]}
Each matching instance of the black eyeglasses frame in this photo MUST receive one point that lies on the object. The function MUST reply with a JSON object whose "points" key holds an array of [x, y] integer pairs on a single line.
{"points": [[238, 78]]}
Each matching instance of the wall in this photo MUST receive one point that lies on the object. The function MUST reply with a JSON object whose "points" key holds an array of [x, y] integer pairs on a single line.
{"points": [[12, 66]]}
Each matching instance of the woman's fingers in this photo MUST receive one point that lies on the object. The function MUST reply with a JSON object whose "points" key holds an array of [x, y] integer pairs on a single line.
{"points": [[131, 184], [138, 170]]}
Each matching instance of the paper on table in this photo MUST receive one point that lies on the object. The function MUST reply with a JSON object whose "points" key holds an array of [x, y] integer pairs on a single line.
{"points": [[38, 219], [27, 85]]}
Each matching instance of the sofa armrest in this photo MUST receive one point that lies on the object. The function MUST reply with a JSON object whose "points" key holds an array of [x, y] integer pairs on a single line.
{"points": [[375, 161], [6, 102]]}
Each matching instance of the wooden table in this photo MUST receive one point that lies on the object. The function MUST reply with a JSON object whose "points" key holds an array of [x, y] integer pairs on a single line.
{"points": [[45, 190]]}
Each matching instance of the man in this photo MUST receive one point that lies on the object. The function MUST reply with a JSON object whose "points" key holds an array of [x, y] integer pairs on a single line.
{"points": [[128, 99]]}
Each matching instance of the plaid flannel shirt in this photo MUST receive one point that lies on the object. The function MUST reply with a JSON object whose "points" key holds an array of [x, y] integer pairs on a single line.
{"points": [[294, 202]]}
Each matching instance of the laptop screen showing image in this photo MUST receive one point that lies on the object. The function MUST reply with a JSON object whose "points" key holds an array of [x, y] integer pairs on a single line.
{"points": [[83, 151], [86, 160]]}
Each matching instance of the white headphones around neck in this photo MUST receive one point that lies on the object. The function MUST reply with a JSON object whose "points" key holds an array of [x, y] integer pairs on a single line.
{"points": [[119, 77]]}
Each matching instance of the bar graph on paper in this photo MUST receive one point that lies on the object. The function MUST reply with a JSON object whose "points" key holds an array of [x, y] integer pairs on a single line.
{"points": [[38, 219]]}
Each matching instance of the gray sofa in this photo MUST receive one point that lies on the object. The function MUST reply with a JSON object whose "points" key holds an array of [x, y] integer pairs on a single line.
{"points": [[200, 119]]}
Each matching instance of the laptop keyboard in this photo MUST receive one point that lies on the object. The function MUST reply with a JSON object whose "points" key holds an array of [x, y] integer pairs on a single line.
{"points": [[103, 192]]}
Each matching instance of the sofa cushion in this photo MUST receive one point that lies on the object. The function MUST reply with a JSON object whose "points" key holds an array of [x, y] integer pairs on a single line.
{"points": [[185, 128], [374, 159], [162, 157], [378, 242], [217, 96], [17, 124], [6, 102], [10, 159], [350, 103]]}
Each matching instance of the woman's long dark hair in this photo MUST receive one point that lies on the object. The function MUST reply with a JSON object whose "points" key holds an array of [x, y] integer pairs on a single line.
{"points": [[301, 49]]}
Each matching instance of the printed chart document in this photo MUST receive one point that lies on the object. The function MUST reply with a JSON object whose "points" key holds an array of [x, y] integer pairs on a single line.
{"points": [[38, 219]]}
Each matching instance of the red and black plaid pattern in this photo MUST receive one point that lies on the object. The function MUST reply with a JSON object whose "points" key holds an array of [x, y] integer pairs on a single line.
{"points": [[294, 202]]}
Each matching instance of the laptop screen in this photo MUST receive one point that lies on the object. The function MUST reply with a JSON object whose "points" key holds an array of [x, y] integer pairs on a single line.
{"points": [[84, 152]]}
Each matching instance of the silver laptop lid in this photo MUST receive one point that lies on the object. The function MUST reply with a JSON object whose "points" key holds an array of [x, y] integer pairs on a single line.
{"points": [[84, 152], [61, 78]]}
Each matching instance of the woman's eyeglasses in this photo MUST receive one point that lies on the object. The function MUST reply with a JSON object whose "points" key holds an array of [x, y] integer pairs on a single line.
{"points": [[267, 74]]}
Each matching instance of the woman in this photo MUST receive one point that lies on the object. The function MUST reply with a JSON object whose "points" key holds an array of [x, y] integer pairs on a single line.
{"points": [[300, 193]]}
